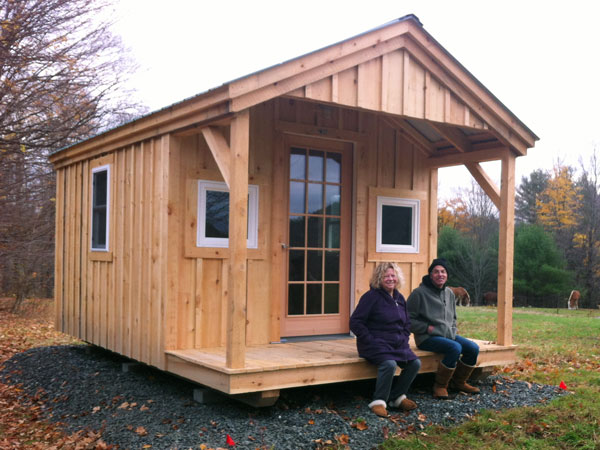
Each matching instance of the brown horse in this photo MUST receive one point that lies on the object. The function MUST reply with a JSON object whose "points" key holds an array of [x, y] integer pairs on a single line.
{"points": [[490, 298], [573, 302], [462, 296]]}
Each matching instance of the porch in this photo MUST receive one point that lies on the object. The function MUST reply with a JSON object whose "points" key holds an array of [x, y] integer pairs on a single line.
{"points": [[295, 363]]}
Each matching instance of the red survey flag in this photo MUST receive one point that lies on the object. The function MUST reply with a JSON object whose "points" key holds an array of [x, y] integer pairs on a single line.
{"points": [[562, 385], [230, 441]]}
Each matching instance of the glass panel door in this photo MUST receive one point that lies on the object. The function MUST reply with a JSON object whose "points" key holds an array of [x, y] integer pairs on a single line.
{"points": [[318, 238]]}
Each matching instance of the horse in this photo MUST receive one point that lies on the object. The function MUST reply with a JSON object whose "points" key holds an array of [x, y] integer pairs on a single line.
{"points": [[573, 302], [462, 296]]}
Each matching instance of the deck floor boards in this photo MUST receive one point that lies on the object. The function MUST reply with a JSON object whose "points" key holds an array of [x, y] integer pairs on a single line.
{"points": [[290, 355]]}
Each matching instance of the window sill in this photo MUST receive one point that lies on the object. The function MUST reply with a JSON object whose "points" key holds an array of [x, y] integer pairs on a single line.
{"points": [[100, 256]]}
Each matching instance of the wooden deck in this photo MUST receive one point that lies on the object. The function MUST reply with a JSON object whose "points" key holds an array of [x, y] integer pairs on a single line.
{"points": [[272, 367]]}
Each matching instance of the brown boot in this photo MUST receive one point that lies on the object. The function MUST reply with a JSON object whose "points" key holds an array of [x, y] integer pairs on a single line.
{"points": [[461, 375], [403, 403], [440, 385], [379, 408]]}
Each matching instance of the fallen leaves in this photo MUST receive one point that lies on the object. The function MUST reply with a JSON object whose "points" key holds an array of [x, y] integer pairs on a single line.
{"points": [[19, 415]]}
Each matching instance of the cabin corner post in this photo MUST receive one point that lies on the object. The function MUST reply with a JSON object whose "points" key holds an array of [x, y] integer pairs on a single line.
{"points": [[238, 226], [506, 249], [433, 214]]}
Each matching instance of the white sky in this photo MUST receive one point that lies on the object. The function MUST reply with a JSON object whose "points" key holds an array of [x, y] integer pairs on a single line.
{"points": [[541, 59]]}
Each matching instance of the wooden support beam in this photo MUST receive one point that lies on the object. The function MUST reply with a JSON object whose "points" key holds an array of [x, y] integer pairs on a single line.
{"points": [[454, 136], [422, 142], [486, 183], [456, 159], [506, 249], [238, 231], [219, 149]]}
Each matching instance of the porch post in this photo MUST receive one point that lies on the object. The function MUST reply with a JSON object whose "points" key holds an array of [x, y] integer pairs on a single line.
{"points": [[506, 249], [238, 226]]}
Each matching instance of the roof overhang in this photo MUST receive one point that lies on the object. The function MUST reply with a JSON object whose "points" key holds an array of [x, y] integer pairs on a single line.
{"points": [[397, 70]]}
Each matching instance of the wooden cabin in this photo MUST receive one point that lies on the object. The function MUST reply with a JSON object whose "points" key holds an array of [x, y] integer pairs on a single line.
{"points": [[227, 238]]}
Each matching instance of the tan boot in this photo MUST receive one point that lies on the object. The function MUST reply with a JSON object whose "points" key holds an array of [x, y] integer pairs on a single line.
{"points": [[379, 408], [461, 375], [440, 385], [403, 403]]}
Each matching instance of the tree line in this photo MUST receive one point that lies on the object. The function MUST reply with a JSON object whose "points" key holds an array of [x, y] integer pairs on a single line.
{"points": [[556, 246], [62, 77]]}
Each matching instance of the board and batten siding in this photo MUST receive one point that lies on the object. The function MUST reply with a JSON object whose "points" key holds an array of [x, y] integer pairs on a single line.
{"points": [[115, 299], [395, 83], [156, 291]]}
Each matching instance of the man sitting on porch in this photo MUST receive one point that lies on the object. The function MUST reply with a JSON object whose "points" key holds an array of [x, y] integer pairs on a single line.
{"points": [[432, 310]]}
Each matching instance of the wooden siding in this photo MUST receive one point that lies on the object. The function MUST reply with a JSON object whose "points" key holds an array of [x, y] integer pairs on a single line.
{"points": [[114, 301], [157, 291], [394, 83]]}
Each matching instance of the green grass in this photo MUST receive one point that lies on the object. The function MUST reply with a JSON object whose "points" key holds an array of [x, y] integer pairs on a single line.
{"points": [[553, 346]]}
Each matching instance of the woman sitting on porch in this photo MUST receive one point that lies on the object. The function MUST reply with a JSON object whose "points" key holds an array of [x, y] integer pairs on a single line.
{"points": [[382, 328], [433, 321]]}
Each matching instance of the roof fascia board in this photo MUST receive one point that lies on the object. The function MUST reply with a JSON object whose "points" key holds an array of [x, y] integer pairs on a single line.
{"points": [[519, 140], [122, 137], [443, 58], [296, 79], [319, 58], [203, 107]]}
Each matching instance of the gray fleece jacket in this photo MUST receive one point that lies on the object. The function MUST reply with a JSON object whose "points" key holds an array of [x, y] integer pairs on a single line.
{"points": [[428, 305]]}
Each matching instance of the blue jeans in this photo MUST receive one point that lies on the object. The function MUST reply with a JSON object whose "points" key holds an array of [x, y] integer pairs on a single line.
{"points": [[389, 387], [452, 349]]}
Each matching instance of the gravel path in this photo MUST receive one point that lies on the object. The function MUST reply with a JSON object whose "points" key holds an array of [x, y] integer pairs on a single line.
{"points": [[86, 388]]}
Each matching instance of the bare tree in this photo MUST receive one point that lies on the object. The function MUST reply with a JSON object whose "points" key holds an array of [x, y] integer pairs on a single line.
{"points": [[586, 248], [61, 74], [472, 248]]}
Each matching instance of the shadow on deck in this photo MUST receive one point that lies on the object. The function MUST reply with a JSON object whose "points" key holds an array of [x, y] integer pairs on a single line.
{"points": [[272, 367]]}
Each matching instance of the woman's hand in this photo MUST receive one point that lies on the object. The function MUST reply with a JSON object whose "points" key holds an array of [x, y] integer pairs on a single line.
{"points": [[430, 329]]}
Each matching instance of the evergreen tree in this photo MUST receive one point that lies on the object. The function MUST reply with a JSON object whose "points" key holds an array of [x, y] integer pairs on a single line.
{"points": [[527, 195], [539, 269]]}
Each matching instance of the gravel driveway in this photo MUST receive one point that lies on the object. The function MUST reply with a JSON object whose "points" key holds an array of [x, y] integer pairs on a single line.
{"points": [[86, 388]]}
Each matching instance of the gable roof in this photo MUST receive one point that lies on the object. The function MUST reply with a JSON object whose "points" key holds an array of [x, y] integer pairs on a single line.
{"points": [[397, 69]]}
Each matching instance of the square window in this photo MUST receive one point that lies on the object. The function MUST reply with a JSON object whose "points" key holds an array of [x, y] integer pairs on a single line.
{"points": [[397, 225], [213, 215], [100, 208]]}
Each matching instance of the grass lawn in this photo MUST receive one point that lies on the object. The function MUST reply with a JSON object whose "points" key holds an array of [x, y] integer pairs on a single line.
{"points": [[553, 346]]}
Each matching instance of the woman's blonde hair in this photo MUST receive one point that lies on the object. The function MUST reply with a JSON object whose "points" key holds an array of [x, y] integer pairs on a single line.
{"points": [[379, 272]]}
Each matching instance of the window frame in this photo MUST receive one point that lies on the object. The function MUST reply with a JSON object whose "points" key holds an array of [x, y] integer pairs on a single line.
{"points": [[415, 206], [202, 240], [102, 168]]}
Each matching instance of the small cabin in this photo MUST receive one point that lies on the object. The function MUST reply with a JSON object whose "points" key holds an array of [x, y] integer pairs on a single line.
{"points": [[226, 238]]}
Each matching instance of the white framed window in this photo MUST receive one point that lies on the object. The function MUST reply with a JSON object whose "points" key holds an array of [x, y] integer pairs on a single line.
{"points": [[397, 225], [213, 215], [100, 208]]}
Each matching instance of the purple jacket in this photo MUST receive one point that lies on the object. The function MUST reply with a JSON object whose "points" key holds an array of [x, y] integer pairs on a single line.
{"points": [[382, 327]]}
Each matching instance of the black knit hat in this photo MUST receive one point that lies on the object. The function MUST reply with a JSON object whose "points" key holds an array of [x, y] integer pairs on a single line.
{"points": [[439, 262]]}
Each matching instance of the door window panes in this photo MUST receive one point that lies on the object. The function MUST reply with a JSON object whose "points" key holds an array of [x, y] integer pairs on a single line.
{"points": [[314, 231]]}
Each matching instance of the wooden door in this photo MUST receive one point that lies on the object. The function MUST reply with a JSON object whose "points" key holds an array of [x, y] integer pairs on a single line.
{"points": [[319, 182]]}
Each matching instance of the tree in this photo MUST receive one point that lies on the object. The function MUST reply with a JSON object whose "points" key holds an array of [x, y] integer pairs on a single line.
{"points": [[471, 245], [558, 205], [527, 195], [471, 266], [539, 265], [586, 248], [60, 76]]}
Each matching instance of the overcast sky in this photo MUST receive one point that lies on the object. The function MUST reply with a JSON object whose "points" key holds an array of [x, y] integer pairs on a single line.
{"points": [[541, 59]]}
